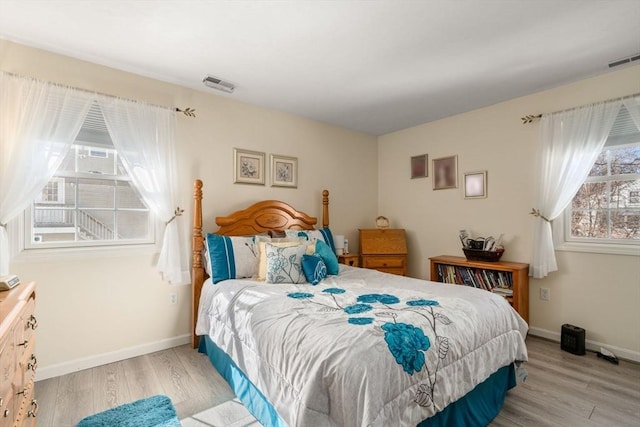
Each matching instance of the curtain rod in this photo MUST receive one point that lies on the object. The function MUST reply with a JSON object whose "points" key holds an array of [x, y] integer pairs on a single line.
{"points": [[530, 118], [188, 111]]}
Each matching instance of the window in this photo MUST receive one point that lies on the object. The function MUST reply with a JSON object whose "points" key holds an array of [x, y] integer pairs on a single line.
{"points": [[604, 215], [90, 201], [53, 192]]}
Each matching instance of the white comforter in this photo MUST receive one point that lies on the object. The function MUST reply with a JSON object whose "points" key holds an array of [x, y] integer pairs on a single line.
{"points": [[362, 348]]}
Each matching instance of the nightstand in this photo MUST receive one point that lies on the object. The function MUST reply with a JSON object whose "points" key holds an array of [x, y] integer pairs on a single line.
{"points": [[349, 259]]}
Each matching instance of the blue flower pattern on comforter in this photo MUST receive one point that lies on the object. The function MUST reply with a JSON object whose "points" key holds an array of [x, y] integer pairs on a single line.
{"points": [[407, 343]]}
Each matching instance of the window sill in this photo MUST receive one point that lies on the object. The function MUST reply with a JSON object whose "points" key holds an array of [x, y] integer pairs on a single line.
{"points": [[599, 248], [76, 253]]}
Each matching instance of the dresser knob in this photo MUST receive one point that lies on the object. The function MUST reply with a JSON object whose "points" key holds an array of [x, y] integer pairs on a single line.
{"points": [[25, 343], [24, 391], [32, 322], [31, 366], [6, 413], [34, 411], [1, 401]]}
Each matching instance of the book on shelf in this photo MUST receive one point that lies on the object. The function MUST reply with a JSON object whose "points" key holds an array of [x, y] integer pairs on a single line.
{"points": [[503, 291], [500, 282]]}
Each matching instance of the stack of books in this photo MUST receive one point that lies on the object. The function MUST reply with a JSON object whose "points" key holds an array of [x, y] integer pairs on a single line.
{"points": [[500, 282]]}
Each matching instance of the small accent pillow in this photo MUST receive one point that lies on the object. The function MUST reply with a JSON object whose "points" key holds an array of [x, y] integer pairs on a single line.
{"points": [[314, 268], [328, 256], [284, 265], [262, 263], [231, 257]]}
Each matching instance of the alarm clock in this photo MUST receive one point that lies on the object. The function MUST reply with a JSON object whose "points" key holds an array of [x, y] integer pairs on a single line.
{"points": [[9, 282]]}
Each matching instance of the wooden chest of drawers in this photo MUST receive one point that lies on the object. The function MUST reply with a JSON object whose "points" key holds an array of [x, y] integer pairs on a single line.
{"points": [[384, 250], [18, 363]]}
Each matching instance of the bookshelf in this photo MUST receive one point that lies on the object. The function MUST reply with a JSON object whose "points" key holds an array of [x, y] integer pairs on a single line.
{"points": [[510, 279]]}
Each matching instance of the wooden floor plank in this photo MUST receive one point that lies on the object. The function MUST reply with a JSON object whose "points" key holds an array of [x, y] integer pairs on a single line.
{"points": [[74, 400], [141, 377], [175, 381], [211, 390], [46, 392], [109, 387], [562, 389]]}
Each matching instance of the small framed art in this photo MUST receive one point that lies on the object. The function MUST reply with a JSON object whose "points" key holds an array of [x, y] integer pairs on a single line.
{"points": [[248, 167], [419, 166], [475, 185], [284, 171], [445, 173]]}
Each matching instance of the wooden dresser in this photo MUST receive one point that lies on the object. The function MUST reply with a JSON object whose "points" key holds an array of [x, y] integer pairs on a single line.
{"points": [[18, 406], [384, 250]]}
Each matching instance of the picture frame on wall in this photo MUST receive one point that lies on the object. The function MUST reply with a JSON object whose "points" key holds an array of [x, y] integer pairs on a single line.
{"points": [[445, 173], [248, 167], [284, 171], [475, 185], [419, 166]]}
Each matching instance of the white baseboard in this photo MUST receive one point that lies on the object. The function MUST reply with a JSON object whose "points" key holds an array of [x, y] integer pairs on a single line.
{"points": [[622, 353], [114, 356]]}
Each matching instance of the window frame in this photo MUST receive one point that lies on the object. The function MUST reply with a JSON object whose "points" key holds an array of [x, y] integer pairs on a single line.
{"points": [[28, 242], [561, 226]]}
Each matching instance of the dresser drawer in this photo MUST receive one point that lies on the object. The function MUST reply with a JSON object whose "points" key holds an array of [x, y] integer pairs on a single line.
{"points": [[7, 410], [26, 368], [26, 328], [7, 362], [383, 262]]}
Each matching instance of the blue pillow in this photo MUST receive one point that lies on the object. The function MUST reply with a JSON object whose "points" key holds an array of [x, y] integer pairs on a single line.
{"points": [[328, 256], [328, 238], [314, 268], [232, 257]]}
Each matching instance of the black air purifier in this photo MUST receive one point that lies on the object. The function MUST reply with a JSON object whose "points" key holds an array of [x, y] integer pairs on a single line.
{"points": [[572, 339]]}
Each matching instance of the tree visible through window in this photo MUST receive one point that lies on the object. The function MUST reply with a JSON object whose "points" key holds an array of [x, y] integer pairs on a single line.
{"points": [[607, 206]]}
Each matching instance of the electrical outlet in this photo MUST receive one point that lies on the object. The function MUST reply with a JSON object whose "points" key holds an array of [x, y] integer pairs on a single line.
{"points": [[173, 298], [545, 294]]}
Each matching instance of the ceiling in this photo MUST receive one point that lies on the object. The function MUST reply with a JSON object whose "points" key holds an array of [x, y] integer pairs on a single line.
{"points": [[373, 66]]}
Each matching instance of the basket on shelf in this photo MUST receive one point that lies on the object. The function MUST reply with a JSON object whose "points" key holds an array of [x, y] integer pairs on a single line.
{"points": [[480, 255]]}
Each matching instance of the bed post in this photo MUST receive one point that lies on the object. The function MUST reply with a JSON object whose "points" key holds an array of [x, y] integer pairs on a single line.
{"points": [[197, 271], [325, 208]]}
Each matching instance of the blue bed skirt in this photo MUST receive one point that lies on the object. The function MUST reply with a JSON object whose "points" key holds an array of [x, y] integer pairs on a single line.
{"points": [[477, 408]]}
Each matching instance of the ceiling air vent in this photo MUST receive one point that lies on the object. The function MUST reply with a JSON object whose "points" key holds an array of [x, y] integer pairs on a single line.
{"points": [[218, 84], [634, 57]]}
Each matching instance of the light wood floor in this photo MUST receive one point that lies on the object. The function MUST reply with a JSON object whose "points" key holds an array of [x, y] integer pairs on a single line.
{"points": [[561, 390]]}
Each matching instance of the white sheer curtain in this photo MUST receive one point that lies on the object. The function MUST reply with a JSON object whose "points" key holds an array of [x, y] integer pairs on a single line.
{"points": [[143, 136], [570, 143], [38, 123], [632, 104]]}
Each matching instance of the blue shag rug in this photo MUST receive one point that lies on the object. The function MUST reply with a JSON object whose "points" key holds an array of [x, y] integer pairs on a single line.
{"points": [[156, 411]]}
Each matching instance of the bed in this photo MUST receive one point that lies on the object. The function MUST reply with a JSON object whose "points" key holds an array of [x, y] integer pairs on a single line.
{"points": [[359, 348]]}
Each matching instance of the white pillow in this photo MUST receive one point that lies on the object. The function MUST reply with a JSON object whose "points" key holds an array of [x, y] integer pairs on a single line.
{"points": [[284, 264], [284, 243]]}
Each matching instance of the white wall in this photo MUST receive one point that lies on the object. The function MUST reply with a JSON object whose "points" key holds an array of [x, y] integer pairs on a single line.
{"points": [[600, 293], [93, 309]]}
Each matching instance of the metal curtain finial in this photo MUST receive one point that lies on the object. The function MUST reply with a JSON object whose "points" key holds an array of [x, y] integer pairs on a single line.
{"points": [[530, 118], [189, 112], [536, 213], [178, 212]]}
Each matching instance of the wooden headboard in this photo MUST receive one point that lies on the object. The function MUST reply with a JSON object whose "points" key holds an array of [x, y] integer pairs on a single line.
{"points": [[258, 218]]}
